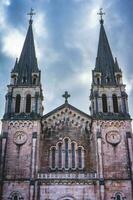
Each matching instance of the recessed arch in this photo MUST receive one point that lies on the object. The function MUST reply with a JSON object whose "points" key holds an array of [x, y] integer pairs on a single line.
{"points": [[28, 103], [66, 198], [15, 195], [115, 103], [17, 103], [104, 103], [65, 155]]}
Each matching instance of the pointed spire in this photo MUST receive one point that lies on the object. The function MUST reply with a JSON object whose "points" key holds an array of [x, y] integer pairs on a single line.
{"points": [[15, 66], [27, 63], [105, 61], [117, 68]]}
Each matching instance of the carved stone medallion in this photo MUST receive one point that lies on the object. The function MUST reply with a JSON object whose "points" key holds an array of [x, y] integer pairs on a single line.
{"points": [[113, 137], [20, 137]]}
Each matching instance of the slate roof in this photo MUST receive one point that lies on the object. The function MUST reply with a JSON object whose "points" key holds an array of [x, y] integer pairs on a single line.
{"points": [[27, 63], [105, 61]]}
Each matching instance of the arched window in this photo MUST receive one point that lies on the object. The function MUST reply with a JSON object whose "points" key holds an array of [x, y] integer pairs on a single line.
{"points": [[115, 103], [34, 79], [17, 103], [14, 79], [118, 79], [73, 155], [53, 157], [98, 80], [80, 157], [15, 196], [107, 79], [24, 79], [104, 103], [118, 196], [60, 155], [28, 103], [66, 153]]}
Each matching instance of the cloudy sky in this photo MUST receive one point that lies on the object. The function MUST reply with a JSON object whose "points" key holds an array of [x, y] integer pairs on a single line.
{"points": [[66, 36]]}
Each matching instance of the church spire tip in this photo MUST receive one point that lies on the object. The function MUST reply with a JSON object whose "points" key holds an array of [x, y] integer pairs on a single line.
{"points": [[101, 13], [31, 13]]}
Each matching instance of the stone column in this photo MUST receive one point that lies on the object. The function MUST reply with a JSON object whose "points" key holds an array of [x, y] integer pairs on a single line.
{"points": [[36, 102], [130, 150], [130, 155], [2, 164], [32, 190], [100, 164], [4, 144], [33, 158], [22, 104]]}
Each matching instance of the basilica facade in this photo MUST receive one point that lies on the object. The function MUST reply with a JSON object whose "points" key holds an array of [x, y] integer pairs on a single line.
{"points": [[66, 154]]}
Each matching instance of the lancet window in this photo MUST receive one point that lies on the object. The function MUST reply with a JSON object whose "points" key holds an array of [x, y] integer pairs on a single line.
{"points": [[115, 103], [67, 155], [28, 103], [104, 103], [17, 103]]}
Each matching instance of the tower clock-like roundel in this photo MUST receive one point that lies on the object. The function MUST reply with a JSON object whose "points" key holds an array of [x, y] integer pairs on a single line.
{"points": [[20, 137], [113, 137]]}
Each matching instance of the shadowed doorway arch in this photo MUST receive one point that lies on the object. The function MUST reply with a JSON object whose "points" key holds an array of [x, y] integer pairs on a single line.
{"points": [[66, 198]]}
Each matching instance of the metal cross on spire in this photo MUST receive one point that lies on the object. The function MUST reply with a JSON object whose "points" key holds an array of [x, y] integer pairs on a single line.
{"points": [[31, 13], [66, 96], [101, 13]]}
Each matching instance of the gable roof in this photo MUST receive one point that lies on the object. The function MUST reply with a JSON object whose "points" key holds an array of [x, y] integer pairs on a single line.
{"points": [[66, 106]]}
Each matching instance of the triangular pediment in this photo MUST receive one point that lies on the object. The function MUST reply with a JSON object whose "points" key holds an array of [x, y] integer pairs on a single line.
{"points": [[66, 115]]}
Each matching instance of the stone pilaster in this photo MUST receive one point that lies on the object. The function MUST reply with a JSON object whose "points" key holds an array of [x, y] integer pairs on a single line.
{"points": [[100, 165], [32, 190], [33, 159]]}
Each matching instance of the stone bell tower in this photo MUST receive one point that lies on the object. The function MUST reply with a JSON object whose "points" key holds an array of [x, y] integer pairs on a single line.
{"points": [[21, 124], [112, 124]]}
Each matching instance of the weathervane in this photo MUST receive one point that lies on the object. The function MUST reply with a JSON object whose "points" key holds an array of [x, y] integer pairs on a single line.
{"points": [[66, 96], [31, 13], [101, 13]]}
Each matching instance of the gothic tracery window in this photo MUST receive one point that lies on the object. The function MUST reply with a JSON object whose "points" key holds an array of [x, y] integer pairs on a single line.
{"points": [[28, 103], [104, 103], [17, 103], [67, 155]]}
